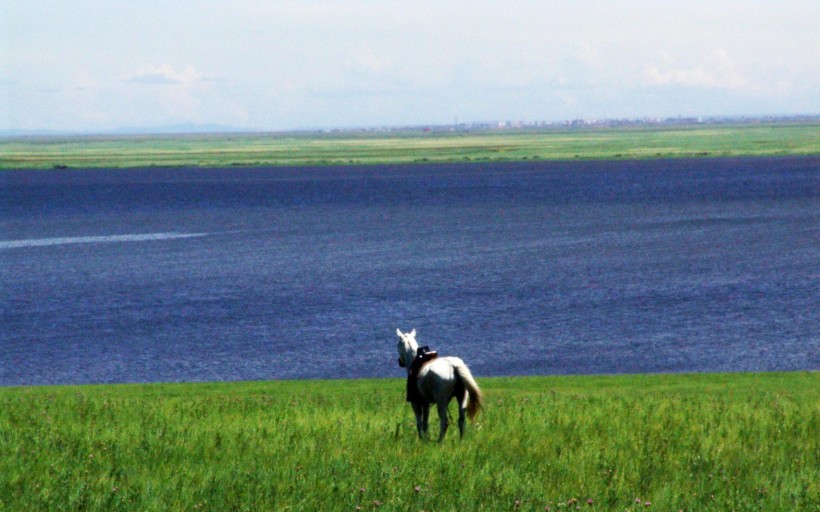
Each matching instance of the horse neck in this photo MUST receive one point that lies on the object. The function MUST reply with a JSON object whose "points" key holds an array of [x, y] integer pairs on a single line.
{"points": [[411, 349]]}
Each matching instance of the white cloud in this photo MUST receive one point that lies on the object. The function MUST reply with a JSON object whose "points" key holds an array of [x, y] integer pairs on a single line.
{"points": [[588, 54], [716, 70], [165, 74], [368, 60]]}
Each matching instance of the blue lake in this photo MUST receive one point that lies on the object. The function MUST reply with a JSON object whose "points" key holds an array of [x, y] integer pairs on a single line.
{"points": [[520, 269]]}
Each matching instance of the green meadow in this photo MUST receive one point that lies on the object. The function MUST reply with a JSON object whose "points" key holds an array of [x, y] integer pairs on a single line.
{"points": [[362, 148], [696, 442]]}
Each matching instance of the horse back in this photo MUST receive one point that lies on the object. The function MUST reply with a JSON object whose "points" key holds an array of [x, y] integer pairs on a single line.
{"points": [[438, 379]]}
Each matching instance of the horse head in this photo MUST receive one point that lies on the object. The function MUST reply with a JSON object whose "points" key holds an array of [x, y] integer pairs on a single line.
{"points": [[407, 347]]}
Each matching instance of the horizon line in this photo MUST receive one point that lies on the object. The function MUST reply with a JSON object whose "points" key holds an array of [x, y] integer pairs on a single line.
{"points": [[500, 125]]}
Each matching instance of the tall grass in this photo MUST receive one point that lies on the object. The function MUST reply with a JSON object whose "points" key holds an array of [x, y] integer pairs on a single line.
{"points": [[663, 442]]}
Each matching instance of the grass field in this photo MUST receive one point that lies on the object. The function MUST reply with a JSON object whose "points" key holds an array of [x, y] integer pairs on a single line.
{"points": [[347, 148], [654, 442]]}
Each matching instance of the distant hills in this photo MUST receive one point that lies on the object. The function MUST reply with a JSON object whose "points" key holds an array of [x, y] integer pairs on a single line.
{"points": [[194, 129], [182, 129], [173, 129]]}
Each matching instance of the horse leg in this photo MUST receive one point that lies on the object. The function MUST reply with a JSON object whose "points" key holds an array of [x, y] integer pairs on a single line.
{"points": [[461, 417], [443, 420], [462, 409], [425, 419], [418, 409]]}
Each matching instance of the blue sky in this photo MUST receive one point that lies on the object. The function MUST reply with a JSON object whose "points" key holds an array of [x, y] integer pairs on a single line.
{"points": [[277, 65]]}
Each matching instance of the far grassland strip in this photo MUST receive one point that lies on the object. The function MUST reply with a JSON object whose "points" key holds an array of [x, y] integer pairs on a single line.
{"points": [[408, 147]]}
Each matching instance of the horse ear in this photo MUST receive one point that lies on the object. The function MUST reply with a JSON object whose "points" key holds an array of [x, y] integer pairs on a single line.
{"points": [[413, 333], [398, 331]]}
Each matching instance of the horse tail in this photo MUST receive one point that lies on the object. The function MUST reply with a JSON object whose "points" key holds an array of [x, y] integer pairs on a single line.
{"points": [[476, 398]]}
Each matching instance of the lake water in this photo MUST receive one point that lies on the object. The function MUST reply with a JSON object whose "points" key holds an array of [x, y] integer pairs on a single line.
{"points": [[520, 269]]}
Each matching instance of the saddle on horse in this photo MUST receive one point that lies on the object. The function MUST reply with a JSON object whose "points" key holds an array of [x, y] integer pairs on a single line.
{"points": [[423, 356]]}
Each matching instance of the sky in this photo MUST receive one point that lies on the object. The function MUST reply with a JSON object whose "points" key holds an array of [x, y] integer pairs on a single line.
{"points": [[100, 65]]}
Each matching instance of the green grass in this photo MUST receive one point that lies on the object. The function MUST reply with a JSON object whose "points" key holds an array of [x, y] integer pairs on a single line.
{"points": [[411, 147], [679, 442]]}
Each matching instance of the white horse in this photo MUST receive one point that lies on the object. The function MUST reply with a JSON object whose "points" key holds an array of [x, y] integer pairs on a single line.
{"points": [[439, 380]]}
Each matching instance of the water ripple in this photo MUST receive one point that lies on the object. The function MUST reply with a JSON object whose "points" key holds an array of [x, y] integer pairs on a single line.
{"points": [[63, 240]]}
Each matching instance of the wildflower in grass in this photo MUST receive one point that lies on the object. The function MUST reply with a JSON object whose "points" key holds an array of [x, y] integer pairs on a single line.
{"points": [[589, 501], [647, 504], [417, 489]]}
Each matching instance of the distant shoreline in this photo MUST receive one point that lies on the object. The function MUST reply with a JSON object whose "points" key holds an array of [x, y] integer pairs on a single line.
{"points": [[412, 146]]}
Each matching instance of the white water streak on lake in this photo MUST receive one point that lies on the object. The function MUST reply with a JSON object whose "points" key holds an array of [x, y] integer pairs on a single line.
{"points": [[143, 237]]}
